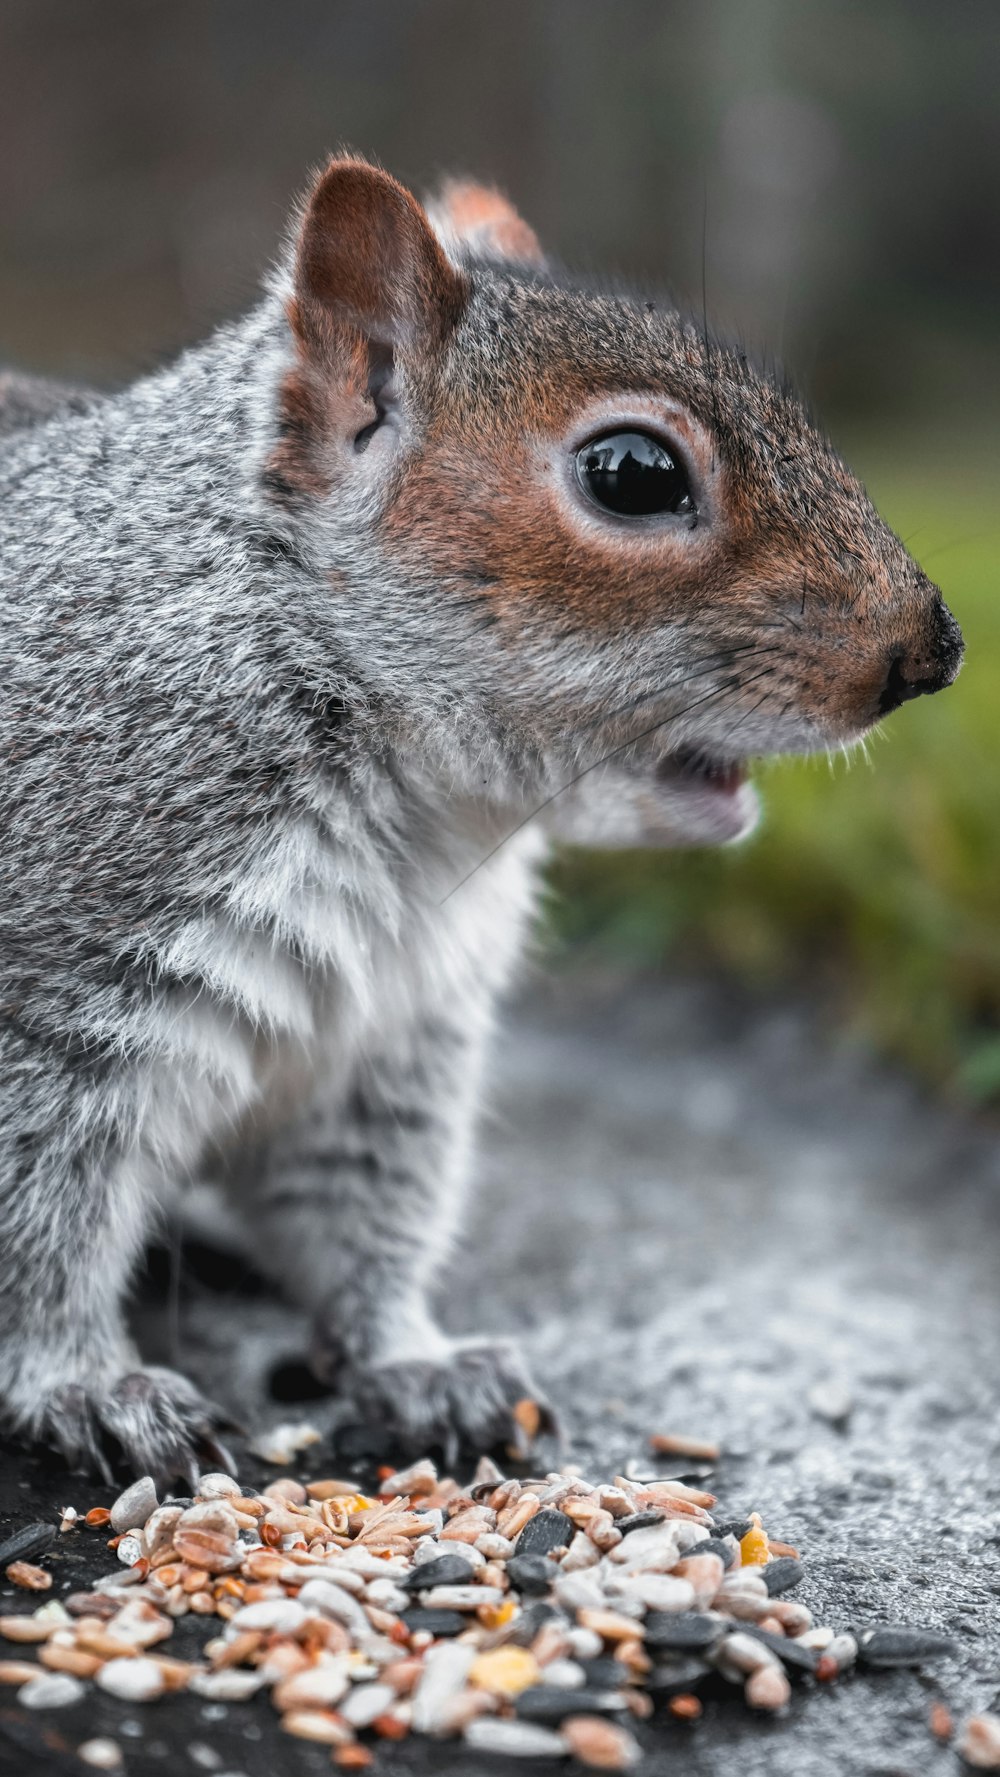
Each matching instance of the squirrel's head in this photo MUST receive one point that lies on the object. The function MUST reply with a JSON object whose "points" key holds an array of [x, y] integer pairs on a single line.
{"points": [[572, 523]]}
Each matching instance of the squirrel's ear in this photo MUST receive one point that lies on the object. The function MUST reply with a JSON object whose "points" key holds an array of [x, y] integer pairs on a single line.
{"points": [[484, 221], [368, 258]]}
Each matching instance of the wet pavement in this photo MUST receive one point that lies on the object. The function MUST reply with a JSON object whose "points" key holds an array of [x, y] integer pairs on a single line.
{"points": [[694, 1212]]}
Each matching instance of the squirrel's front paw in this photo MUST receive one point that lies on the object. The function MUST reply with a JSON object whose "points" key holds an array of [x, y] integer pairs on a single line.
{"points": [[154, 1421], [464, 1399]]}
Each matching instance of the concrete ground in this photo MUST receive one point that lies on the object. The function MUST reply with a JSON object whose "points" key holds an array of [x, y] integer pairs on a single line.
{"points": [[693, 1211]]}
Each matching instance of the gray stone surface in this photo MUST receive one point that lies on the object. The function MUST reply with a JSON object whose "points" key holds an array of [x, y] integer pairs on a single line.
{"points": [[694, 1211]]}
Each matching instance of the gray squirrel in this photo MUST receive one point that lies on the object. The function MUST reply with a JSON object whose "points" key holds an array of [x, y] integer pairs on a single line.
{"points": [[299, 636]]}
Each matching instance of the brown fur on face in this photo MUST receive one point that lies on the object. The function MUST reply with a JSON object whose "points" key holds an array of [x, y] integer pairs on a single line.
{"points": [[784, 592], [787, 551]]}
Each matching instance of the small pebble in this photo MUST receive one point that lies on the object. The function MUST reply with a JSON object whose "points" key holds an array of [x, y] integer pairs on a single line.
{"points": [[565, 1672], [228, 1686], [979, 1742], [103, 1755], [658, 1592], [515, 1739], [134, 1680], [320, 1686], [319, 1725], [697, 1449], [365, 1703], [283, 1442], [219, 1487], [843, 1651], [129, 1551], [767, 1688], [277, 1616], [203, 1755], [600, 1745], [51, 1690], [445, 1672], [831, 1401], [744, 1652], [134, 1506], [461, 1597], [942, 1722]]}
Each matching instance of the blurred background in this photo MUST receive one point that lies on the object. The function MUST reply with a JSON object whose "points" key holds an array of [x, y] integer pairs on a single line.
{"points": [[829, 172]]}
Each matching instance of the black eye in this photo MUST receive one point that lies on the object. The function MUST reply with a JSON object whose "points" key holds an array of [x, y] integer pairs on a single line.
{"points": [[633, 474]]}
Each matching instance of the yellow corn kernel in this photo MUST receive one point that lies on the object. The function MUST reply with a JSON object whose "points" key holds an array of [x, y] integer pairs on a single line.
{"points": [[494, 1616], [754, 1551]]}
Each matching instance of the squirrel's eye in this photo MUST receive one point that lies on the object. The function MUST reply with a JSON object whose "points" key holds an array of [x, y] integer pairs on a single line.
{"points": [[633, 474]]}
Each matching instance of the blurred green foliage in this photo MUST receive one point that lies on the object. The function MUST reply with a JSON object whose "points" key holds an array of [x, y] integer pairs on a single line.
{"points": [[875, 878]]}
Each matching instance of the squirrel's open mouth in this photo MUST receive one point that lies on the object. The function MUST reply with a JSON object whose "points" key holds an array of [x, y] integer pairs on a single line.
{"points": [[704, 799], [702, 772]]}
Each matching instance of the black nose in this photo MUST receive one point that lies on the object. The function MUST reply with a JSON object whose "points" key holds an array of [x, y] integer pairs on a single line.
{"points": [[925, 669]]}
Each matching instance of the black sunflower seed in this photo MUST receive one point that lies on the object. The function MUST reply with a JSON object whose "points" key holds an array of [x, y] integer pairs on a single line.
{"points": [[444, 1570], [553, 1702], [544, 1532], [28, 1543], [682, 1629], [531, 1574], [639, 1520], [895, 1644], [781, 1574], [436, 1622]]}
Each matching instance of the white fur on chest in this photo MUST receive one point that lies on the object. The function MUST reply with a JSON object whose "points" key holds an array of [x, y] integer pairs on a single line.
{"points": [[321, 954]]}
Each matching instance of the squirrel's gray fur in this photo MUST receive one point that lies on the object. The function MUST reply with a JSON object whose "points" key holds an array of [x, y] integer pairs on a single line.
{"points": [[247, 754]]}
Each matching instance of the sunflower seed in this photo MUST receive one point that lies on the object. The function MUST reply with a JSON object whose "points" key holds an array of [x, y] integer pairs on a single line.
{"points": [[531, 1574], [688, 1629], [550, 1704], [892, 1645], [782, 1574], [444, 1570], [547, 1530], [27, 1544]]}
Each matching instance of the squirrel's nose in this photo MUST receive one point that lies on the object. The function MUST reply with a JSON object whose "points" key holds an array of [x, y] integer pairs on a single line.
{"points": [[912, 672]]}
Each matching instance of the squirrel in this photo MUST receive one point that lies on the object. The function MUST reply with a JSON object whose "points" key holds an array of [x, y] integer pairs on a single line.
{"points": [[300, 634]]}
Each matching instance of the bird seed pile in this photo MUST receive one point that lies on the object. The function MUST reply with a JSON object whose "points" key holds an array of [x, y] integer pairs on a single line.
{"points": [[533, 1617]]}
